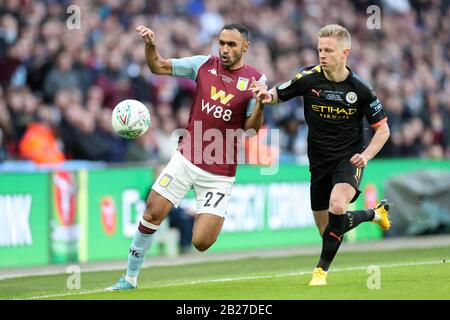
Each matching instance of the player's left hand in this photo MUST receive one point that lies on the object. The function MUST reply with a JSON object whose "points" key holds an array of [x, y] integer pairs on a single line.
{"points": [[359, 161]]}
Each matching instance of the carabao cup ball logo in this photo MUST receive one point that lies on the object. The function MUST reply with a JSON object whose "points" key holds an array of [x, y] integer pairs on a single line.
{"points": [[130, 119]]}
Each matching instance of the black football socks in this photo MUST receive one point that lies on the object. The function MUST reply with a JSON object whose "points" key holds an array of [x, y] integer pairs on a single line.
{"points": [[354, 218], [332, 239]]}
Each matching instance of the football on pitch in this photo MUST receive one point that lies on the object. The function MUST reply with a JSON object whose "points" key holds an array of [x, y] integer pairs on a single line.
{"points": [[130, 119]]}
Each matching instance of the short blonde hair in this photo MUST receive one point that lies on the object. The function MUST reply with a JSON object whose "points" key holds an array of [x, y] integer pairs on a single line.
{"points": [[336, 31]]}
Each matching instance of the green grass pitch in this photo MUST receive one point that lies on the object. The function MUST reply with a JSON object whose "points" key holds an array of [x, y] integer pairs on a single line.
{"points": [[403, 274]]}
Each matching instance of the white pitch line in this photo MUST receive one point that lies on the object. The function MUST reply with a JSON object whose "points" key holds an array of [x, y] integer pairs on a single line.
{"points": [[194, 282]]}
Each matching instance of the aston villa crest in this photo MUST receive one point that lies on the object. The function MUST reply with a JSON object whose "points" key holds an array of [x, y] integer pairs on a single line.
{"points": [[242, 84]]}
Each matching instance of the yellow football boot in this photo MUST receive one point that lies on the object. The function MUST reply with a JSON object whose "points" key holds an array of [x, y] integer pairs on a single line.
{"points": [[319, 277], [382, 209]]}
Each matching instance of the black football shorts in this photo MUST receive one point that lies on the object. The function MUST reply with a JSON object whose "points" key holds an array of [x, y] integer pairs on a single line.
{"points": [[322, 183]]}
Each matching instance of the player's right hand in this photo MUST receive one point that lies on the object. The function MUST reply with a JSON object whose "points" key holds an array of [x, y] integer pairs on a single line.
{"points": [[260, 91], [147, 34], [359, 161]]}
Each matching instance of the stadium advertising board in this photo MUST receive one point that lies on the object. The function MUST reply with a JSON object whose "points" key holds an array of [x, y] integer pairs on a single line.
{"points": [[63, 217], [24, 216], [114, 201]]}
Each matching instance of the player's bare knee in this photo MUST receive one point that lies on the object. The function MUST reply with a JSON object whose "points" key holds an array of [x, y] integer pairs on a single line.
{"points": [[337, 206], [152, 214], [202, 244]]}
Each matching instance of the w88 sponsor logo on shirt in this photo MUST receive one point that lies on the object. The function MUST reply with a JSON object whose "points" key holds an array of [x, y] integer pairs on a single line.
{"points": [[218, 111]]}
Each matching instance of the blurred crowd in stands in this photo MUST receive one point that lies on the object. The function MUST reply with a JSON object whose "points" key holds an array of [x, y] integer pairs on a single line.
{"points": [[58, 85]]}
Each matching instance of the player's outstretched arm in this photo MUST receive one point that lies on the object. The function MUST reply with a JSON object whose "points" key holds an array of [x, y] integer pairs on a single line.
{"points": [[377, 142], [156, 64]]}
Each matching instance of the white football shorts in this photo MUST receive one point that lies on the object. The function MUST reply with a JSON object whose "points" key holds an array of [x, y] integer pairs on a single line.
{"points": [[212, 191]]}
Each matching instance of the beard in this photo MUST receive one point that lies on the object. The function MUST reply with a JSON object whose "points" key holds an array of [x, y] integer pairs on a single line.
{"points": [[228, 62]]}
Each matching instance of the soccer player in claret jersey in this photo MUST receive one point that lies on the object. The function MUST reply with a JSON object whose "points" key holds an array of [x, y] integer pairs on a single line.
{"points": [[336, 99], [223, 103]]}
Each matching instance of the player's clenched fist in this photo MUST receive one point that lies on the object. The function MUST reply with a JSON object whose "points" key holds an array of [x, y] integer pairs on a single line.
{"points": [[359, 161], [260, 92], [147, 34]]}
